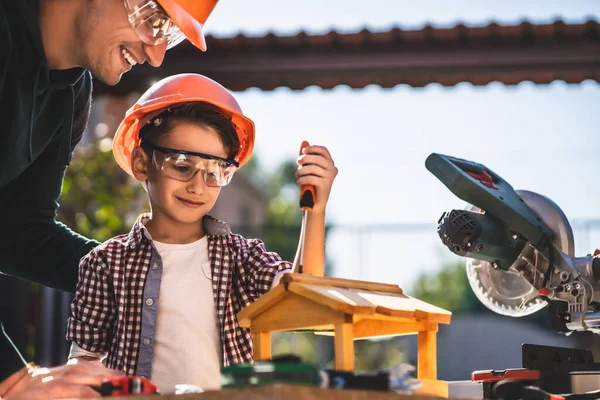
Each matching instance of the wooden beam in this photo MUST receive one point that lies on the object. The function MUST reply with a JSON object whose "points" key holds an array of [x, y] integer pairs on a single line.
{"points": [[368, 328], [341, 282], [427, 355], [295, 312], [261, 343], [344, 346]]}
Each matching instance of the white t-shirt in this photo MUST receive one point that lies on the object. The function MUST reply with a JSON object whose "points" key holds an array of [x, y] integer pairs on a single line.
{"points": [[187, 347]]}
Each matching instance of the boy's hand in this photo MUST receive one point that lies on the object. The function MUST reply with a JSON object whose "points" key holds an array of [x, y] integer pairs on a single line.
{"points": [[316, 167]]}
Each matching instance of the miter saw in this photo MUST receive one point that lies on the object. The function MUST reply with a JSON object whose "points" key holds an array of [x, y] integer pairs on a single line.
{"points": [[519, 248]]}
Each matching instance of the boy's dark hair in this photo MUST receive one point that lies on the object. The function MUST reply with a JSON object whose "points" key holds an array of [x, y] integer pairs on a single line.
{"points": [[203, 114]]}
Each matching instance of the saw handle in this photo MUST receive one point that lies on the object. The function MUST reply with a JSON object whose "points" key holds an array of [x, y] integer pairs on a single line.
{"points": [[308, 195]]}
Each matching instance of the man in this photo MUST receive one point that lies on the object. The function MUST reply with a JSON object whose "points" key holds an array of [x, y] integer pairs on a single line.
{"points": [[50, 49]]}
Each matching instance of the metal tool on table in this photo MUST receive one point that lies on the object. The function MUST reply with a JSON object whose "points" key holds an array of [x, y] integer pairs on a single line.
{"points": [[307, 202], [544, 369]]}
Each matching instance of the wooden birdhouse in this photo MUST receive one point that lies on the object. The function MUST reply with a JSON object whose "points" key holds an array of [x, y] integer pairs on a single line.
{"points": [[352, 310]]}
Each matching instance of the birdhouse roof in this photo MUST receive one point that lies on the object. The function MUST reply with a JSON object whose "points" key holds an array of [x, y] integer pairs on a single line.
{"points": [[359, 298]]}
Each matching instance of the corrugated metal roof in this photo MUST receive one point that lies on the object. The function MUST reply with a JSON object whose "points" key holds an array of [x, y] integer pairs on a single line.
{"points": [[479, 55], [492, 32]]}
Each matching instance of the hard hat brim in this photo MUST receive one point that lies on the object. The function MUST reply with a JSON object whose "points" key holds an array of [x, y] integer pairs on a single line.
{"points": [[191, 28], [127, 135]]}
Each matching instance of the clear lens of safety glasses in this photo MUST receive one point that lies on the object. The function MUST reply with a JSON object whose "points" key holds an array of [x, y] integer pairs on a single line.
{"points": [[152, 24], [183, 167]]}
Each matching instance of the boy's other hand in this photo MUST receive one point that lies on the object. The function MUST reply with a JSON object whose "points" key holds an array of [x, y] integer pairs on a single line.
{"points": [[316, 167]]}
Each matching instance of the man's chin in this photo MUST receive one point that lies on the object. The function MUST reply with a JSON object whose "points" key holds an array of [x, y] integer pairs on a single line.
{"points": [[108, 79], [114, 81]]}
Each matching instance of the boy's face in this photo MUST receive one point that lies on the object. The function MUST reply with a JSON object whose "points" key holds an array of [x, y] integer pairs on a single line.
{"points": [[184, 202]]}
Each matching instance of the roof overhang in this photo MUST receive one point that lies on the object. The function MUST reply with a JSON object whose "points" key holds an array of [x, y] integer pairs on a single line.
{"points": [[478, 55]]}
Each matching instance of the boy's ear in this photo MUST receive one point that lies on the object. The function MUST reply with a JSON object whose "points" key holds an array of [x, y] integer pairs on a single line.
{"points": [[140, 162]]}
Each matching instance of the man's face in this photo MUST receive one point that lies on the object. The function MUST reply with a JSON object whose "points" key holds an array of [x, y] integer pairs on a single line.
{"points": [[111, 46]]}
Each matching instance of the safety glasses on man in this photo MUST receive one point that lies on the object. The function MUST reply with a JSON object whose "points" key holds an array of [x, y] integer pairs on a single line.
{"points": [[152, 24], [183, 165]]}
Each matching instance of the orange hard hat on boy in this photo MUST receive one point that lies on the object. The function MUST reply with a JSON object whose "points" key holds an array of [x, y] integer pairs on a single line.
{"points": [[178, 90], [184, 19]]}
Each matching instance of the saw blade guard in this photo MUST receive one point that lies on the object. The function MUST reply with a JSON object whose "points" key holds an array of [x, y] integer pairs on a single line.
{"points": [[506, 292]]}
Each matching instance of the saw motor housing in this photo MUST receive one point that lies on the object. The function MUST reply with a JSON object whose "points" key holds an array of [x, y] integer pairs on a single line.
{"points": [[519, 248]]}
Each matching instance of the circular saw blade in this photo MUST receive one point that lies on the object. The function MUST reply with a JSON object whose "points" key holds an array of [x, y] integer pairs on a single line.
{"points": [[507, 292], [504, 292]]}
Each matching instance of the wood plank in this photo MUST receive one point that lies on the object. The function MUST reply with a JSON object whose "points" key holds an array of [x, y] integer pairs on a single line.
{"points": [[381, 317], [390, 312], [439, 318], [403, 306], [429, 308], [339, 299], [393, 305], [261, 343], [368, 328], [264, 302], [340, 282], [427, 355], [296, 312], [344, 346]]}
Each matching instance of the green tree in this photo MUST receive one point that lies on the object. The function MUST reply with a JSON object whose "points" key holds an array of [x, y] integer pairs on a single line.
{"points": [[98, 199], [283, 219], [281, 231], [449, 288]]}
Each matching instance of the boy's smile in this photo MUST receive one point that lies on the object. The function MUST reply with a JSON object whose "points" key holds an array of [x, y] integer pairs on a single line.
{"points": [[191, 203]]}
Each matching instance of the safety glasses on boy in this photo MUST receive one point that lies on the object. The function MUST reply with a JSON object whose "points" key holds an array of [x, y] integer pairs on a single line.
{"points": [[152, 24], [183, 165]]}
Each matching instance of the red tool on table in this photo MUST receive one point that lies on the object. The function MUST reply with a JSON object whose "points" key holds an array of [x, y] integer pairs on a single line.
{"points": [[127, 385], [307, 201]]}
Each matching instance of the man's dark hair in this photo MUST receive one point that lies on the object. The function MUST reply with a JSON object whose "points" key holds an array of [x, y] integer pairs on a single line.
{"points": [[202, 114]]}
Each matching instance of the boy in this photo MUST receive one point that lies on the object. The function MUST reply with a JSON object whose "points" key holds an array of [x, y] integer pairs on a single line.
{"points": [[161, 301]]}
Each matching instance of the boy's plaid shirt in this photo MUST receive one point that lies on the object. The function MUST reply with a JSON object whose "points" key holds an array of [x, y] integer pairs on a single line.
{"points": [[108, 306]]}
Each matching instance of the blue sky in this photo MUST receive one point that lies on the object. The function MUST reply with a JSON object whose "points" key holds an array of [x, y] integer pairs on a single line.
{"points": [[540, 138]]}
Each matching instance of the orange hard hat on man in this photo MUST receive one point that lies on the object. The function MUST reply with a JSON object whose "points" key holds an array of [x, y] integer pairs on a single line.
{"points": [[190, 17], [178, 90]]}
